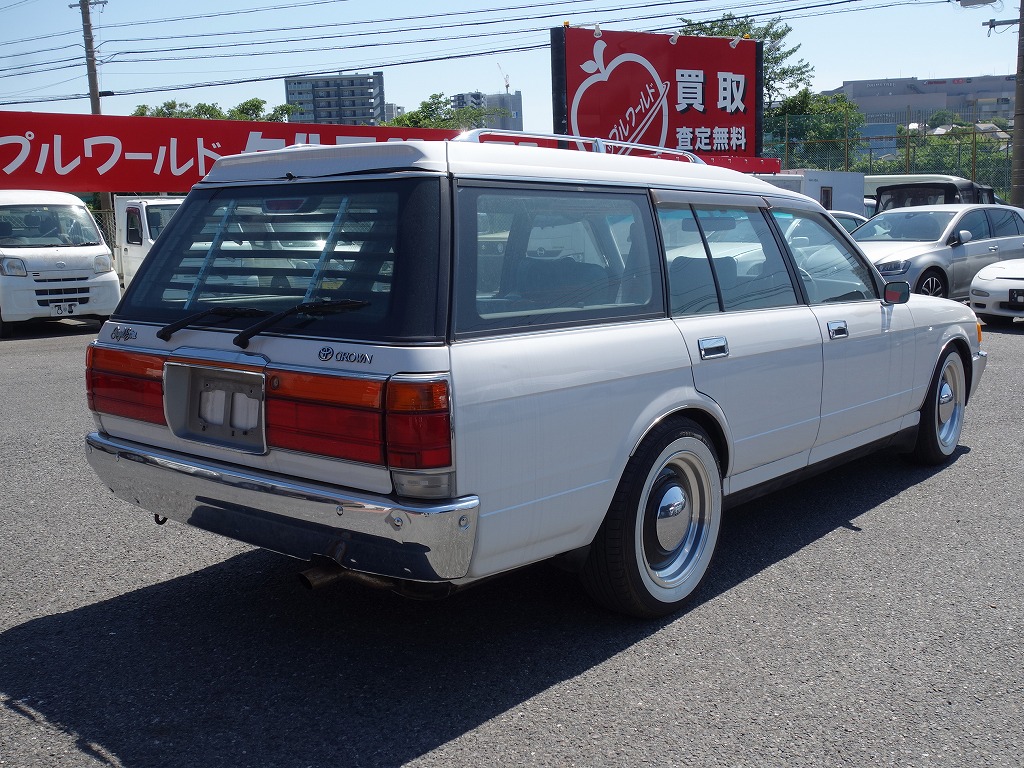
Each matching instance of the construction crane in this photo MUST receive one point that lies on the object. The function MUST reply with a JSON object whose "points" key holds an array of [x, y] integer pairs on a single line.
{"points": [[504, 76]]}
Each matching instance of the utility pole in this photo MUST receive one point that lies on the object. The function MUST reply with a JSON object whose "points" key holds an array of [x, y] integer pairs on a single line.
{"points": [[106, 199], [90, 53], [1017, 161]]}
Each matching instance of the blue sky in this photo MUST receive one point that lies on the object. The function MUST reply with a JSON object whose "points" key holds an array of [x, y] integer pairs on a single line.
{"points": [[144, 45]]}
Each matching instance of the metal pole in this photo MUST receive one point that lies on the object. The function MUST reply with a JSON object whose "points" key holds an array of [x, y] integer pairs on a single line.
{"points": [[1017, 169], [90, 57]]}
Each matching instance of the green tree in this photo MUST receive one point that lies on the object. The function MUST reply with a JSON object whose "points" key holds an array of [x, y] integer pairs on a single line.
{"points": [[781, 73], [820, 130], [438, 112], [251, 109], [943, 117]]}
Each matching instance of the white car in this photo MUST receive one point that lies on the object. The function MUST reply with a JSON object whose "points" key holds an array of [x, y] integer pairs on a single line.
{"points": [[939, 249], [849, 221], [997, 292], [498, 354]]}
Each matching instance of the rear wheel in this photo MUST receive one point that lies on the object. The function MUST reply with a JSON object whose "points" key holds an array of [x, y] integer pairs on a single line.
{"points": [[942, 417], [933, 283], [658, 538]]}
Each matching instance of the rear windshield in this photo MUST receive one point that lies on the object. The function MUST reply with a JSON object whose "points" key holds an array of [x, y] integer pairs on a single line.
{"points": [[272, 247], [47, 226]]}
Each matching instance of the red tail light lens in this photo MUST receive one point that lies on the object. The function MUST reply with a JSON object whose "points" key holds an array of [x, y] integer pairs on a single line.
{"points": [[126, 384], [418, 425]]}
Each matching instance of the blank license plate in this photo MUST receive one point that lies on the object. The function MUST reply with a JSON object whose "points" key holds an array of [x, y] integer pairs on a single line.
{"points": [[69, 309]]}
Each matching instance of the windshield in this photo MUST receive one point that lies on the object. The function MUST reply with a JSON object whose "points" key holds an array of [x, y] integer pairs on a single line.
{"points": [[270, 248], [47, 226], [909, 226]]}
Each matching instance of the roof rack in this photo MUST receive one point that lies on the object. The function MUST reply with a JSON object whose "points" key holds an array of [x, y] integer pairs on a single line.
{"points": [[596, 145]]}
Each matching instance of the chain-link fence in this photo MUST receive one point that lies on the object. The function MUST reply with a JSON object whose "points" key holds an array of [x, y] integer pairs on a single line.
{"points": [[980, 152]]}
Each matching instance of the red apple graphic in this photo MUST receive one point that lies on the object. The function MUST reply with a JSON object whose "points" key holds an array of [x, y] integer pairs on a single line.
{"points": [[625, 100]]}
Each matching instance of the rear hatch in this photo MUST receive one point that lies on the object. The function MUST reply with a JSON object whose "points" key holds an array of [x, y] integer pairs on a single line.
{"points": [[295, 328]]}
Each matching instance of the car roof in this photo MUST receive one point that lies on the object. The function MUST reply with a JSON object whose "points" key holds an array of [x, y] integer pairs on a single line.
{"points": [[481, 160], [948, 207], [37, 197]]}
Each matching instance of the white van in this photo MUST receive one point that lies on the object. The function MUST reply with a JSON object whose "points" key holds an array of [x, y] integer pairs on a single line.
{"points": [[53, 261], [439, 361], [138, 221]]}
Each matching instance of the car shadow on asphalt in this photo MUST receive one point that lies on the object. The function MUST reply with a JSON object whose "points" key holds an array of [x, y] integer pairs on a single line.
{"points": [[53, 329], [236, 664]]}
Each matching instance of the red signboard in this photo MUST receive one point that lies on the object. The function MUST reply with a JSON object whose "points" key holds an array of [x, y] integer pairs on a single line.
{"points": [[97, 153], [100, 153], [700, 94]]}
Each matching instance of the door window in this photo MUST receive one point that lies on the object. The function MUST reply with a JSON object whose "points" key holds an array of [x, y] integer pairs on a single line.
{"points": [[829, 269], [1005, 222], [975, 222]]}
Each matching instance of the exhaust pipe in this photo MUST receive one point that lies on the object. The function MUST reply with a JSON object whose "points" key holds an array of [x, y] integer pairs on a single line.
{"points": [[321, 575]]}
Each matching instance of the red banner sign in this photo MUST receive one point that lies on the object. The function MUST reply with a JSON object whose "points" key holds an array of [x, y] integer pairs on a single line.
{"points": [[97, 153], [699, 94]]}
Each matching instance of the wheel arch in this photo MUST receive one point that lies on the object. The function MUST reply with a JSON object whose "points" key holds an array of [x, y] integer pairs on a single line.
{"points": [[707, 421]]}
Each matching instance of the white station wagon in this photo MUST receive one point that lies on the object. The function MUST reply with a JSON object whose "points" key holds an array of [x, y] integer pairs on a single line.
{"points": [[441, 361]]}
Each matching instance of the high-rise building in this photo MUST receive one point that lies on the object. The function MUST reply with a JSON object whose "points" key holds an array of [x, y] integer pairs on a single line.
{"points": [[512, 103], [344, 99]]}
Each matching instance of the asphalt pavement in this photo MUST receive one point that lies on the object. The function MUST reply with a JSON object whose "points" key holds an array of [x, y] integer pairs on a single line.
{"points": [[871, 616]]}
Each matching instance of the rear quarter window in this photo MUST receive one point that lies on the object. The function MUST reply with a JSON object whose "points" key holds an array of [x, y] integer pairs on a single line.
{"points": [[535, 256]]}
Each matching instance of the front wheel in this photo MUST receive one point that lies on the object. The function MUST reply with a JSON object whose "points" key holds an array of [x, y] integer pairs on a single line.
{"points": [[933, 283], [942, 417], [657, 541]]}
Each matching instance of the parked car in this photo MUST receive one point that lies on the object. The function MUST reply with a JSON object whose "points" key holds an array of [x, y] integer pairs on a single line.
{"points": [[500, 354], [849, 221], [939, 249], [997, 292], [53, 261]]}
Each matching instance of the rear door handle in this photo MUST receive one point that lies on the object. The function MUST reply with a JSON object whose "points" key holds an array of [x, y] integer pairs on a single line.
{"points": [[838, 330], [712, 347], [993, 247]]}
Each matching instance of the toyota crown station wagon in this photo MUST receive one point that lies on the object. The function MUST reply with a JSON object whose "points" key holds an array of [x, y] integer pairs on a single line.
{"points": [[427, 363]]}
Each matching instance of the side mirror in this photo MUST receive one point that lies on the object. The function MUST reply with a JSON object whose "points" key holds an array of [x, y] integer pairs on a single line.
{"points": [[961, 237], [897, 292]]}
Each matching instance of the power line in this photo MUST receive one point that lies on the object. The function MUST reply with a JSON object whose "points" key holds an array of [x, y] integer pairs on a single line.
{"points": [[792, 12]]}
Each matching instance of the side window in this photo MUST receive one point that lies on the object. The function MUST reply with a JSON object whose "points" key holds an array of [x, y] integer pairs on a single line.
{"points": [[1005, 222], [829, 269], [691, 284], [975, 222], [532, 256], [749, 267], [133, 226]]}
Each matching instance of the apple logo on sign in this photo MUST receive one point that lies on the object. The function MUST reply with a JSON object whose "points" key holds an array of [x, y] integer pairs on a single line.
{"points": [[625, 100]]}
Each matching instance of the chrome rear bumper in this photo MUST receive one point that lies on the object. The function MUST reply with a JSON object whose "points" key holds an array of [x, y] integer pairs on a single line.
{"points": [[366, 533]]}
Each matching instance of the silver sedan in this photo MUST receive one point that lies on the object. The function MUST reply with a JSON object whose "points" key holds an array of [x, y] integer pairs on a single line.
{"points": [[939, 249]]}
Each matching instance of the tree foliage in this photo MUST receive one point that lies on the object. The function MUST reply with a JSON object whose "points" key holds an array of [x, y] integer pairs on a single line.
{"points": [[250, 109], [781, 73], [438, 112]]}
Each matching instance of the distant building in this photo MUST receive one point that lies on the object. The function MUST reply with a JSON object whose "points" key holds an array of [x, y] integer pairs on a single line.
{"points": [[890, 100], [512, 103], [392, 111], [345, 99]]}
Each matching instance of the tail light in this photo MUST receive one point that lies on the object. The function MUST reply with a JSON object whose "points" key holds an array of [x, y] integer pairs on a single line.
{"points": [[125, 384], [403, 423]]}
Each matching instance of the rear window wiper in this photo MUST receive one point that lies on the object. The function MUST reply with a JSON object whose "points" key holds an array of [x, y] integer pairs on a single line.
{"points": [[304, 308], [167, 331]]}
